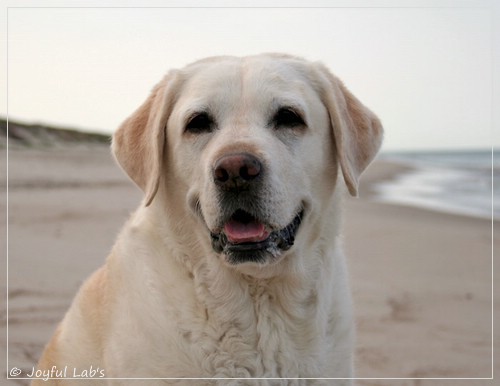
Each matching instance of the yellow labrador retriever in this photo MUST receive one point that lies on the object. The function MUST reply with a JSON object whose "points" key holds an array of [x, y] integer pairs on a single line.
{"points": [[232, 266]]}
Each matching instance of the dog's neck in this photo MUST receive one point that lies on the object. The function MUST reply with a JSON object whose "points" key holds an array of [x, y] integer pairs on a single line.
{"points": [[286, 308], [293, 278]]}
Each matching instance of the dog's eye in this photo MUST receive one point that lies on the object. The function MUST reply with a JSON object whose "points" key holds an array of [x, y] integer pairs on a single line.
{"points": [[200, 123], [287, 117]]}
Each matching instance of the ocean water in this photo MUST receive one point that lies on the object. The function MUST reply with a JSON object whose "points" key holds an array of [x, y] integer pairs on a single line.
{"points": [[465, 182]]}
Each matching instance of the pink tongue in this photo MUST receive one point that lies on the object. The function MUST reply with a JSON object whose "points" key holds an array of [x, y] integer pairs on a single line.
{"points": [[251, 232]]}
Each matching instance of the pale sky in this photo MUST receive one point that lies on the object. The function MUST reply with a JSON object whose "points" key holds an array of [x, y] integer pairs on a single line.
{"points": [[426, 68]]}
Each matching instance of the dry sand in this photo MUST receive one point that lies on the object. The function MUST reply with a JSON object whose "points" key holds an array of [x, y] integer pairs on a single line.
{"points": [[422, 281]]}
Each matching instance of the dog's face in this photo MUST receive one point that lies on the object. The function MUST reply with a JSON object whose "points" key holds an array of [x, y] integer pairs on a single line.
{"points": [[250, 147]]}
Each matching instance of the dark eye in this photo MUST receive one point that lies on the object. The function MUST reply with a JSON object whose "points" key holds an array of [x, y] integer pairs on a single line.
{"points": [[200, 123], [287, 117]]}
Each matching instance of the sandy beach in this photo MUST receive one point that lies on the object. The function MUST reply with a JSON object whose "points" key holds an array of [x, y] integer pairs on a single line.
{"points": [[421, 280]]}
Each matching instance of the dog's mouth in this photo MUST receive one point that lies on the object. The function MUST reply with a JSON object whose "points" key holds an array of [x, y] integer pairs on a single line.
{"points": [[244, 238]]}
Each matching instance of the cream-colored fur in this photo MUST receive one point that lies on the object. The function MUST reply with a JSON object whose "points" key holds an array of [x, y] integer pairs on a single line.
{"points": [[165, 304]]}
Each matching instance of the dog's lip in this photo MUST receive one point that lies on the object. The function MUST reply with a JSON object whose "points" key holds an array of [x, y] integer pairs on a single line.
{"points": [[257, 237]]}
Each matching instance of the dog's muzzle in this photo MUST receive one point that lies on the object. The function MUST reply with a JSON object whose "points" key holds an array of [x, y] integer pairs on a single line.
{"points": [[243, 235]]}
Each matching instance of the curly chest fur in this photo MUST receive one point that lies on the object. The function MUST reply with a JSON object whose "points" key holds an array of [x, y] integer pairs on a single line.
{"points": [[256, 330]]}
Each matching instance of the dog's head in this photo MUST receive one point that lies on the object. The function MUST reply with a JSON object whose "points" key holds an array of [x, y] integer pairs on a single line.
{"points": [[251, 146]]}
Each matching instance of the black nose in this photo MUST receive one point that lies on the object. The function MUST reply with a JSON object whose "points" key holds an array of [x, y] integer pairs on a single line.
{"points": [[236, 171]]}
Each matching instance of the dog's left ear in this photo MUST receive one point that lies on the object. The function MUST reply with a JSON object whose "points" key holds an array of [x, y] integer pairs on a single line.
{"points": [[139, 143], [357, 131]]}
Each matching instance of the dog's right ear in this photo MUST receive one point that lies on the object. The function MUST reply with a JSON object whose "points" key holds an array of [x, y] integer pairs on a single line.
{"points": [[139, 143], [357, 130]]}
